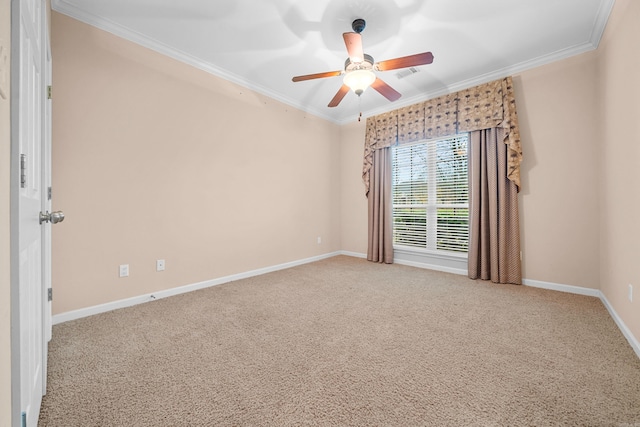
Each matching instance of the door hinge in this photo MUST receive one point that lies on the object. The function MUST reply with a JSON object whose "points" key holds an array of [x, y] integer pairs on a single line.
{"points": [[50, 294], [49, 92], [23, 171], [49, 193]]}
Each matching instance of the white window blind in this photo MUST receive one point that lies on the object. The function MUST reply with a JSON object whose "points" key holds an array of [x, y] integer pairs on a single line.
{"points": [[430, 195]]}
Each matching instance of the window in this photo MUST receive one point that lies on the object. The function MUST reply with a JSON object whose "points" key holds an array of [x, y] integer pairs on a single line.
{"points": [[430, 195]]}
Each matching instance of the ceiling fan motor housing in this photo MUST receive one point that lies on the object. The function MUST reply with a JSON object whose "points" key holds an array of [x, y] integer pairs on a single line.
{"points": [[366, 64]]}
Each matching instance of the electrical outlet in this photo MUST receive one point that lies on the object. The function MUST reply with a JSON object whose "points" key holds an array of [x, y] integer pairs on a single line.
{"points": [[319, 239], [124, 270], [630, 293], [160, 265]]}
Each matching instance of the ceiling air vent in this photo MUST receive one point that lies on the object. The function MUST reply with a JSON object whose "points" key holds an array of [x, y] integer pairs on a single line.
{"points": [[407, 72]]}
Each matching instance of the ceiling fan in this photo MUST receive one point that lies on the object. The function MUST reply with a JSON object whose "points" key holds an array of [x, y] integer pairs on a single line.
{"points": [[359, 68]]}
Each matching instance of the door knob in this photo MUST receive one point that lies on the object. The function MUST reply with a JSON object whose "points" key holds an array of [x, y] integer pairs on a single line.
{"points": [[53, 217]]}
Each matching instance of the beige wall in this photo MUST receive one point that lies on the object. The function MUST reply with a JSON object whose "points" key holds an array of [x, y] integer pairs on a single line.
{"points": [[5, 278], [353, 199], [558, 199], [154, 159], [619, 91]]}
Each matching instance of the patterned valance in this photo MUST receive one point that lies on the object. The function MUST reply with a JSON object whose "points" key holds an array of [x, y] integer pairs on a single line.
{"points": [[482, 107]]}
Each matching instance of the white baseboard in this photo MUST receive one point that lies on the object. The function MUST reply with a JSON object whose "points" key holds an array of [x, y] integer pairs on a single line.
{"points": [[90, 311], [354, 254], [431, 267], [633, 341], [411, 263], [562, 288]]}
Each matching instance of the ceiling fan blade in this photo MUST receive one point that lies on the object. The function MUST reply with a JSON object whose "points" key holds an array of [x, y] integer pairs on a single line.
{"points": [[385, 90], [316, 76], [405, 61], [341, 93], [353, 41]]}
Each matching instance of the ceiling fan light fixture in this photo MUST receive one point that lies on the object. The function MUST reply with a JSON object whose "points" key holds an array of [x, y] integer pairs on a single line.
{"points": [[359, 80]]}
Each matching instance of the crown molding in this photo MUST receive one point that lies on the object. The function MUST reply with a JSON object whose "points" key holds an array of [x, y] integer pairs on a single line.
{"points": [[64, 7], [109, 26], [600, 24]]}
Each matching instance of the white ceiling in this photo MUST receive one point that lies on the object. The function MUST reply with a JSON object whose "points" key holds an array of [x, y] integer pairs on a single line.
{"points": [[262, 44]]}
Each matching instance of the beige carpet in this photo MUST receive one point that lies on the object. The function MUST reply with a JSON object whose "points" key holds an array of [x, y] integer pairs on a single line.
{"points": [[345, 342]]}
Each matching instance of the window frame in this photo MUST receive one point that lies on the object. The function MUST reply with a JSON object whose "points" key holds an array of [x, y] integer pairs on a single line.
{"points": [[451, 260]]}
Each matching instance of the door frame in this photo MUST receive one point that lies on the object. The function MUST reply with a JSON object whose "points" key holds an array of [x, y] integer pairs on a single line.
{"points": [[46, 206], [14, 217]]}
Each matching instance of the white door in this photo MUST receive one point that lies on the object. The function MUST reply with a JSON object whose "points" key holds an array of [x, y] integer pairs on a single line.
{"points": [[28, 106]]}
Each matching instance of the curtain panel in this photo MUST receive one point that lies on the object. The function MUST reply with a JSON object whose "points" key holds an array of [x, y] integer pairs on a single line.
{"points": [[490, 105], [494, 229], [380, 222]]}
